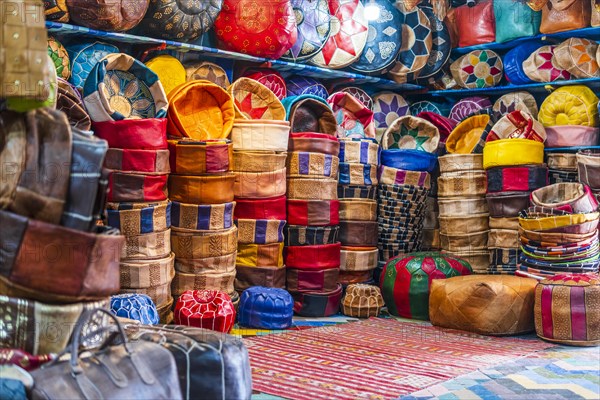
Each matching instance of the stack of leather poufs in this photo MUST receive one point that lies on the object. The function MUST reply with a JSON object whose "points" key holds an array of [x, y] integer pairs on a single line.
{"points": [[559, 232], [408, 157], [588, 170], [56, 261], [259, 141], [511, 181], [201, 184], [359, 159], [562, 167], [464, 217], [312, 251], [138, 161]]}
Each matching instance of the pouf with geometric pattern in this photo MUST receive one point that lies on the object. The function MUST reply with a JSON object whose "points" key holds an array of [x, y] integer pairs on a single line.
{"points": [[135, 306], [209, 309], [266, 308], [362, 301], [406, 279]]}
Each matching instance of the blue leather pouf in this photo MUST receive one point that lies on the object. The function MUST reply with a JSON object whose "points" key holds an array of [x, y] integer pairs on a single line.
{"points": [[135, 306], [266, 308]]}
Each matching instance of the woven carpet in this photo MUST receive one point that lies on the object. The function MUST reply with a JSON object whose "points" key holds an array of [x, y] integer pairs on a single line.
{"points": [[372, 359]]}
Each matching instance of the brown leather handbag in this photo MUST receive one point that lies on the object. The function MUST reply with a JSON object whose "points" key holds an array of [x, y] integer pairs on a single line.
{"points": [[475, 25], [565, 15], [129, 370]]}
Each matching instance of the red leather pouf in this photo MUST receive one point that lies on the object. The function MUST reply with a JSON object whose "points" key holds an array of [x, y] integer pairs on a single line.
{"points": [[209, 309]]}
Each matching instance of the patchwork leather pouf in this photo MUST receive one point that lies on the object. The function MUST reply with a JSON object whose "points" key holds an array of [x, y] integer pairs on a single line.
{"points": [[314, 25], [138, 307], [209, 309], [567, 311], [266, 308], [484, 304], [405, 281], [362, 301]]}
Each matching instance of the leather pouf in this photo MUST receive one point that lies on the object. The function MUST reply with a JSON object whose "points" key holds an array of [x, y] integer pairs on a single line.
{"points": [[484, 304], [362, 301], [209, 309], [266, 308], [135, 306], [567, 309], [406, 280], [111, 16]]}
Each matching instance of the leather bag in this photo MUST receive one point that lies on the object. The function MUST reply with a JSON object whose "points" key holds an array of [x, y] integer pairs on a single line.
{"points": [[475, 25], [565, 15], [128, 370], [515, 19], [211, 365]]}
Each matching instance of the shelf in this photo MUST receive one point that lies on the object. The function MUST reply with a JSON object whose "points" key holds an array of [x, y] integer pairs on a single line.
{"points": [[573, 149], [282, 66], [588, 33], [533, 88]]}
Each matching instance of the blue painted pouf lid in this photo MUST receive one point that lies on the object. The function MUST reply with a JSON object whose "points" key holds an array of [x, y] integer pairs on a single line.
{"points": [[266, 308], [135, 306]]}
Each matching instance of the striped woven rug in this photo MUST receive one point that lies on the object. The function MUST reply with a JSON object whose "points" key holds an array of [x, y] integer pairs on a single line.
{"points": [[372, 359]]}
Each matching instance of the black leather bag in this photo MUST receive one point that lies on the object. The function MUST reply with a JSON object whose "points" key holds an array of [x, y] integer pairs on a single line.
{"points": [[129, 370], [212, 365], [88, 154]]}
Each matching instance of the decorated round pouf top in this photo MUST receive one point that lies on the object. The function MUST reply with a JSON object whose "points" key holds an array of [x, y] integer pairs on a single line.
{"points": [[209, 309], [314, 24], [405, 281], [266, 308], [136, 306], [258, 28]]}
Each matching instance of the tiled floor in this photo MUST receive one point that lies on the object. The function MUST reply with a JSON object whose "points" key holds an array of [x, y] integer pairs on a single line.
{"points": [[558, 373]]}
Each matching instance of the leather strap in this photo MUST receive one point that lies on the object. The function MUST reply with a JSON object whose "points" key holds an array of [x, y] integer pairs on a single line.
{"points": [[568, 197], [358, 210], [358, 174], [192, 244], [217, 264], [462, 184], [358, 259], [194, 157], [160, 294], [142, 134], [519, 178], [303, 164], [351, 277], [323, 256], [317, 304], [203, 281], [319, 280], [312, 189], [142, 274], [313, 212], [132, 160], [465, 242], [260, 185], [123, 187], [132, 220], [260, 231], [314, 143], [203, 189], [202, 217], [363, 151], [258, 161], [297, 235], [260, 255], [358, 233], [149, 246], [58, 264], [247, 277], [357, 192], [273, 208], [394, 176], [503, 238], [260, 135]]}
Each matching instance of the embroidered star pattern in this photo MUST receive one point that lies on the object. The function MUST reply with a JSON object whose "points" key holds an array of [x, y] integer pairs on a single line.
{"points": [[349, 27], [247, 108]]}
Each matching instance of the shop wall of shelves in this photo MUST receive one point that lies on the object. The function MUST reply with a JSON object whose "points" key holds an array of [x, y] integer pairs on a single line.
{"points": [[282, 66]]}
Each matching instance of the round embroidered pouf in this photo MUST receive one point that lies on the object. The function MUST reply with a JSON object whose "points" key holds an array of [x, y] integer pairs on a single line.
{"points": [[138, 307], [209, 309], [266, 308], [362, 301], [405, 281], [567, 309]]}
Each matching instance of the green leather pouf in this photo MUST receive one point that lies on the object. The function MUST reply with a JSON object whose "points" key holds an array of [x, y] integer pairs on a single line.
{"points": [[406, 279]]}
